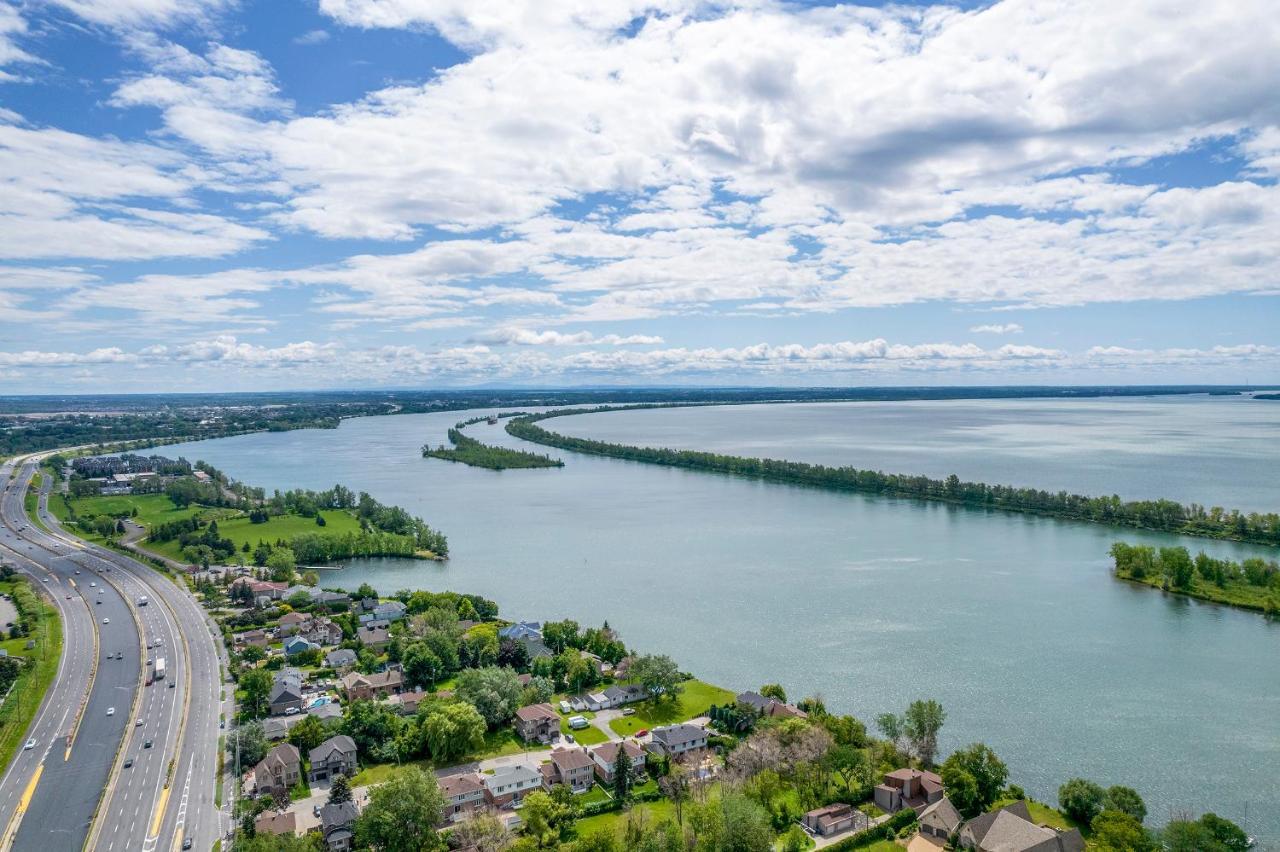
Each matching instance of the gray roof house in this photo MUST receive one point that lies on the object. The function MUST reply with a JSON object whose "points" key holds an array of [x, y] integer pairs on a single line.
{"points": [[334, 756], [1011, 829], [940, 820], [286, 692], [337, 826], [522, 630], [343, 658], [534, 647], [678, 740], [330, 714]]}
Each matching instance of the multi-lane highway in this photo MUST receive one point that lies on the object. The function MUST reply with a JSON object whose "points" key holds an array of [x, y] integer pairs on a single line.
{"points": [[147, 781]]}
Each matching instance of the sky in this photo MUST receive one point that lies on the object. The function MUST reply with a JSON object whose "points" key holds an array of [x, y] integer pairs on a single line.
{"points": [[288, 194]]}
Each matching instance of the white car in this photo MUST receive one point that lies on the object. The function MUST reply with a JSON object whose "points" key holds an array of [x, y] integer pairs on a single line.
{"points": [[106, 621], [30, 745], [93, 584], [111, 711]]}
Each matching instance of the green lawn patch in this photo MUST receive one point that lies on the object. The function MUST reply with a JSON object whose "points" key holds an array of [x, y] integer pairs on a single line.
{"points": [[29, 688], [1043, 814], [588, 736], [595, 794], [240, 530], [615, 820], [696, 697]]}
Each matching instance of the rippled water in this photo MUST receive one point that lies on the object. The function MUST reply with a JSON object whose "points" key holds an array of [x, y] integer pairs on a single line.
{"points": [[1012, 622]]}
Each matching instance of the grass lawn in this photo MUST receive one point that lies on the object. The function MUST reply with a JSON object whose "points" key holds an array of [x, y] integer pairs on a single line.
{"points": [[588, 736], [883, 846], [695, 699], [496, 744], [29, 688], [595, 794], [615, 820], [241, 530], [1043, 814]]}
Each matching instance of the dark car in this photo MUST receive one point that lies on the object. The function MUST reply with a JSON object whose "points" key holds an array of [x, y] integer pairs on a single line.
{"points": [[128, 761], [147, 744], [186, 844]]}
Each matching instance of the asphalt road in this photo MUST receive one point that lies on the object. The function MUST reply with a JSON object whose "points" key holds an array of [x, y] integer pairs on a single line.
{"points": [[168, 793]]}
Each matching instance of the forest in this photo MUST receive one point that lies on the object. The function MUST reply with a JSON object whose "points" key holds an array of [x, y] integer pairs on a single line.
{"points": [[1162, 515]]}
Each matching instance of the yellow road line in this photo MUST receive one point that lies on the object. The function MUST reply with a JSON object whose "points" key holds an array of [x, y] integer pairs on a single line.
{"points": [[159, 816], [25, 801]]}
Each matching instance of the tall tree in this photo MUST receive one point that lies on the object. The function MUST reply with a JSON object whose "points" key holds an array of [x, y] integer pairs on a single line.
{"points": [[339, 790], [921, 724], [402, 814], [1081, 799]]}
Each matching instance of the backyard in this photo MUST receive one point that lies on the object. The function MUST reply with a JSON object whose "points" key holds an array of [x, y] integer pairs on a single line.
{"points": [[696, 697]]}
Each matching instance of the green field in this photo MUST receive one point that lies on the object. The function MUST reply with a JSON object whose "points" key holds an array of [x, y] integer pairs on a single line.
{"points": [[241, 530], [30, 687], [588, 736], [496, 744], [696, 698], [615, 820]]}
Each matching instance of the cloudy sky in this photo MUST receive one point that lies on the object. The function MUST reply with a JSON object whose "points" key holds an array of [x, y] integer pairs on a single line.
{"points": [[245, 194]]}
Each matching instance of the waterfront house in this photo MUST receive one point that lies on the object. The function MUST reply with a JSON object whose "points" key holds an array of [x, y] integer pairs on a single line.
{"points": [[1011, 829], [376, 637], [386, 611], [522, 630], [463, 795], [508, 785], [337, 826], [534, 647], [679, 741], [278, 771], [537, 723], [769, 707], [334, 756], [605, 757], [572, 767], [834, 819], [908, 788], [940, 820]]}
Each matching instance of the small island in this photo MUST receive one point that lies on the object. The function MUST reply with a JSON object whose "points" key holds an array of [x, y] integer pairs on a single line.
{"points": [[469, 451], [1250, 584]]}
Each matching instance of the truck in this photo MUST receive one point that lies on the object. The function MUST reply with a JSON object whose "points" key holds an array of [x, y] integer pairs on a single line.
{"points": [[142, 601], [159, 668]]}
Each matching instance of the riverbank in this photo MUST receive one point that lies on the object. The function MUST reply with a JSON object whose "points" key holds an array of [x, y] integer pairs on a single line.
{"points": [[1253, 584], [1158, 515]]}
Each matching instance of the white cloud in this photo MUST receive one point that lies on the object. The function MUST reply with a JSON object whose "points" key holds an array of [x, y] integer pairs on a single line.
{"points": [[1005, 328], [529, 337], [128, 14], [312, 37]]}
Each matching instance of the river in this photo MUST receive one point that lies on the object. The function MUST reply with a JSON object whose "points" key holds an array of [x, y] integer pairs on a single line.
{"points": [[1012, 622]]}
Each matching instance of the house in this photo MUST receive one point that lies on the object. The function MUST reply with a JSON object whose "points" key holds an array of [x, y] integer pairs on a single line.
{"points": [[679, 740], [322, 631], [256, 638], [291, 622], [834, 819], [605, 757], [522, 630], [376, 637], [298, 645], [334, 756], [367, 604], [371, 686], [330, 598], [337, 826], [940, 820], [261, 589], [463, 795], [330, 713], [386, 611], [620, 695], [275, 729], [597, 701], [278, 771], [406, 703], [770, 707], [534, 647], [1011, 829], [537, 722], [276, 822], [908, 788], [508, 785], [572, 767], [286, 692], [341, 660]]}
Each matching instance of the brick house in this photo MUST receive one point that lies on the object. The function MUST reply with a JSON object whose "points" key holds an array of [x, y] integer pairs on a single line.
{"points": [[280, 770], [908, 788], [537, 723], [605, 757], [334, 756], [572, 767], [371, 686], [463, 795]]}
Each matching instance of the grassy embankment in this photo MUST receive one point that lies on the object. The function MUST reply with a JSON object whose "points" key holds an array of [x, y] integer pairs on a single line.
{"points": [[696, 697], [29, 689], [1234, 593]]}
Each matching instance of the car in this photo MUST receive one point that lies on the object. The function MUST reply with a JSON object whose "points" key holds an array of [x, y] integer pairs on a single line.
{"points": [[111, 711], [30, 745], [138, 723], [98, 601], [568, 738], [119, 655], [147, 744], [315, 810], [643, 732], [77, 573], [186, 843], [106, 621], [91, 583], [68, 597], [291, 711], [172, 684], [630, 711], [128, 761], [148, 661]]}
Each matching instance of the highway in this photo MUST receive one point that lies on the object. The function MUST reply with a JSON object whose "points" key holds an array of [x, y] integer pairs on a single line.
{"points": [[146, 797]]}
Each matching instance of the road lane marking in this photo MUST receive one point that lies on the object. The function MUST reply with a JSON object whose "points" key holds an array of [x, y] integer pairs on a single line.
{"points": [[11, 831]]}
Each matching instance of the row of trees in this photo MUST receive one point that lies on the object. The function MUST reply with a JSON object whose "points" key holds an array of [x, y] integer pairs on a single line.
{"points": [[468, 450], [1163, 515], [1142, 562]]}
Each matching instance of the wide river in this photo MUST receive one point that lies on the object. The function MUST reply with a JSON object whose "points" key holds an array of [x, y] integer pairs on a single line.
{"points": [[1012, 622]]}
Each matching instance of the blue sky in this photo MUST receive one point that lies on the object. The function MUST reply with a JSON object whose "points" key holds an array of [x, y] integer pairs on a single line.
{"points": [[224, 195]]}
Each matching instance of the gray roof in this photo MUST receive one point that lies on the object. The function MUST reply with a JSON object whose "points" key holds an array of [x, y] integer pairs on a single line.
{"points": [[326, 711], [287, 686], [340, 657], [942, 814], [338, 816], [678, 734], [341, 743]]}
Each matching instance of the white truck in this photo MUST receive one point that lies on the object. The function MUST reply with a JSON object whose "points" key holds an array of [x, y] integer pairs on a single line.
{"points": [[159, 668]]}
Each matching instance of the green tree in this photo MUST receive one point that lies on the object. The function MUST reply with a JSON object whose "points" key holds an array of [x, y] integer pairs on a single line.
{"points": [[1126, 800], [452, 730], [493, 691], [988, 772], [339, 790], [307, 734], [1082, 800], [657, 673], [621, 775], [851, 766], [1117, 831], [252, 742], [747, 825], [1225, 832], [256, 684], [402, 814], [962, 788], [774, 690], [544, 819], [281, 562], [421, 666], [921, 724]]}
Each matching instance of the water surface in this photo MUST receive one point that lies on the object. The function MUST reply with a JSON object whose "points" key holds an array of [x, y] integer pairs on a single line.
{"points": [[1012, 622]]}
